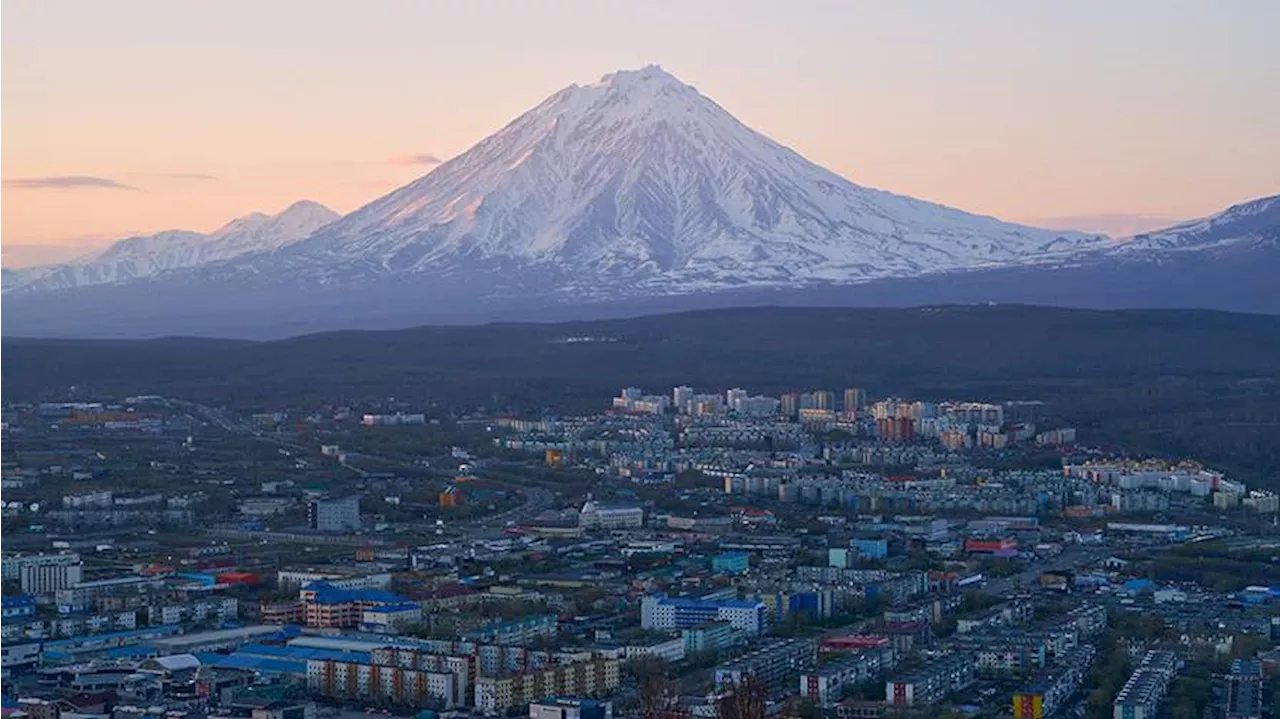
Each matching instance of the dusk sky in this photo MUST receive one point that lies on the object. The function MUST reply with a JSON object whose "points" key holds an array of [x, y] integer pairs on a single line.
{"points": [[134, 116]]}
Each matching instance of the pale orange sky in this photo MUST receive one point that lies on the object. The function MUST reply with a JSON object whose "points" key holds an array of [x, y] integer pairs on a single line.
{"points": [[1041, 111]]}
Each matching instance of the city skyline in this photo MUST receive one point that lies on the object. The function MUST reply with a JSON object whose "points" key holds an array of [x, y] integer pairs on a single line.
{"points": [[1084, 115]]}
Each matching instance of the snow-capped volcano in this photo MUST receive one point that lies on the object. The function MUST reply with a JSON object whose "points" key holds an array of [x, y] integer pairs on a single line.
{"points": [[638, 177], [137, 258], [630, 194]]}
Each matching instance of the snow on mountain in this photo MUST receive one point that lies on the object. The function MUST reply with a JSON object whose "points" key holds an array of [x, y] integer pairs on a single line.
{"points": [[137, 258], [1247, 223], [639, 181]]}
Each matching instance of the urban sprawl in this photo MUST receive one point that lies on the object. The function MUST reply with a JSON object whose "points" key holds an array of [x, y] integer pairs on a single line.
{"points": [[683, 555]]}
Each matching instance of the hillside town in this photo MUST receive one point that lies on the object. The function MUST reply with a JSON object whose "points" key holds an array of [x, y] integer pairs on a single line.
{"points": [[684, 555]]}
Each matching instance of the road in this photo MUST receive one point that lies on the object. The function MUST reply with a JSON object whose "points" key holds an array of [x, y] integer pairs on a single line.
{"points": [[1070, 559], [536, 499]]}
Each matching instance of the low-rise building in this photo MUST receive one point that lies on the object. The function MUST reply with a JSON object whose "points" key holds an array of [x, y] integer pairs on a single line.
{"points": [[390, 618], [567, 708]]}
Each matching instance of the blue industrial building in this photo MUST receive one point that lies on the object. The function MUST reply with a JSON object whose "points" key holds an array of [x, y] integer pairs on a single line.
{"points": [[731, 563]]}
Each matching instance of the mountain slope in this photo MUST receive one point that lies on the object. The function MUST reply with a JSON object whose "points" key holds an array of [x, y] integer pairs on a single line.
{"points": [[137, 258], [639, 178], [1239, 227]]}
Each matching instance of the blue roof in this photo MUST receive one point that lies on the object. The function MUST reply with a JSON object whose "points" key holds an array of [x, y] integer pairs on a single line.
{"points": [[708, 604], [326, 593], [20, 600], [1137, 585], [303, 653], [161, 630], [131, 652], [252, 663]]}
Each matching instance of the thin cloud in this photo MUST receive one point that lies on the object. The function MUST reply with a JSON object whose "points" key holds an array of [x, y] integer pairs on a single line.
{"points": [[1115, 225], [197, 176], [417, 158], [67, 182]]}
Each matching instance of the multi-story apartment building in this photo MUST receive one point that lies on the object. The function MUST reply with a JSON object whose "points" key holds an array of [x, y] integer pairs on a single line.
{"points": [[334, 515], [462, 667], [288, 579], [776, 664], [81, 596], [44, 573], [1090, 620], [826, 685], [855, 398], [396, 685], [931, 683], [220, 608], [1011, 654], [390, 618], [1050, 689], [518, 631], [93, 624], [326, 607], [1141, 695], [495, 695], [291, 612], [596, 515], [12, 565], [711, 636], [1244, 696], [662, 612]]}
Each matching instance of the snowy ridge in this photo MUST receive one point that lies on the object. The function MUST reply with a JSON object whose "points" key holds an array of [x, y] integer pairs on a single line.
{"points": [[138, 258], [1248, 222], [638, 177]]}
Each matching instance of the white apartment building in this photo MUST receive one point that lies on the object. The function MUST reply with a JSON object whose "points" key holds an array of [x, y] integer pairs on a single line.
{"points": [[48, 577]]}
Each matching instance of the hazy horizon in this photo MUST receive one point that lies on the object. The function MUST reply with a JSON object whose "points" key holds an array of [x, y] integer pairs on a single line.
{"points": [[147, 115]]}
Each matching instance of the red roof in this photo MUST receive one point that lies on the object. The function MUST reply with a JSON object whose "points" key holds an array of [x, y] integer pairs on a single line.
{"points": [[239, 578], [997, 545], [854, 641]]}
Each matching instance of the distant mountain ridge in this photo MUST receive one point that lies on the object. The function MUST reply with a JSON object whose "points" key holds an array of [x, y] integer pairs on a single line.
{"points": [[629, 195], [138, 258]]}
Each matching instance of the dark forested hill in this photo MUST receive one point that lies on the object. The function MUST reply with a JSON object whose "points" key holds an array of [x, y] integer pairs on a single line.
{"points": [[1187, 382]]}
